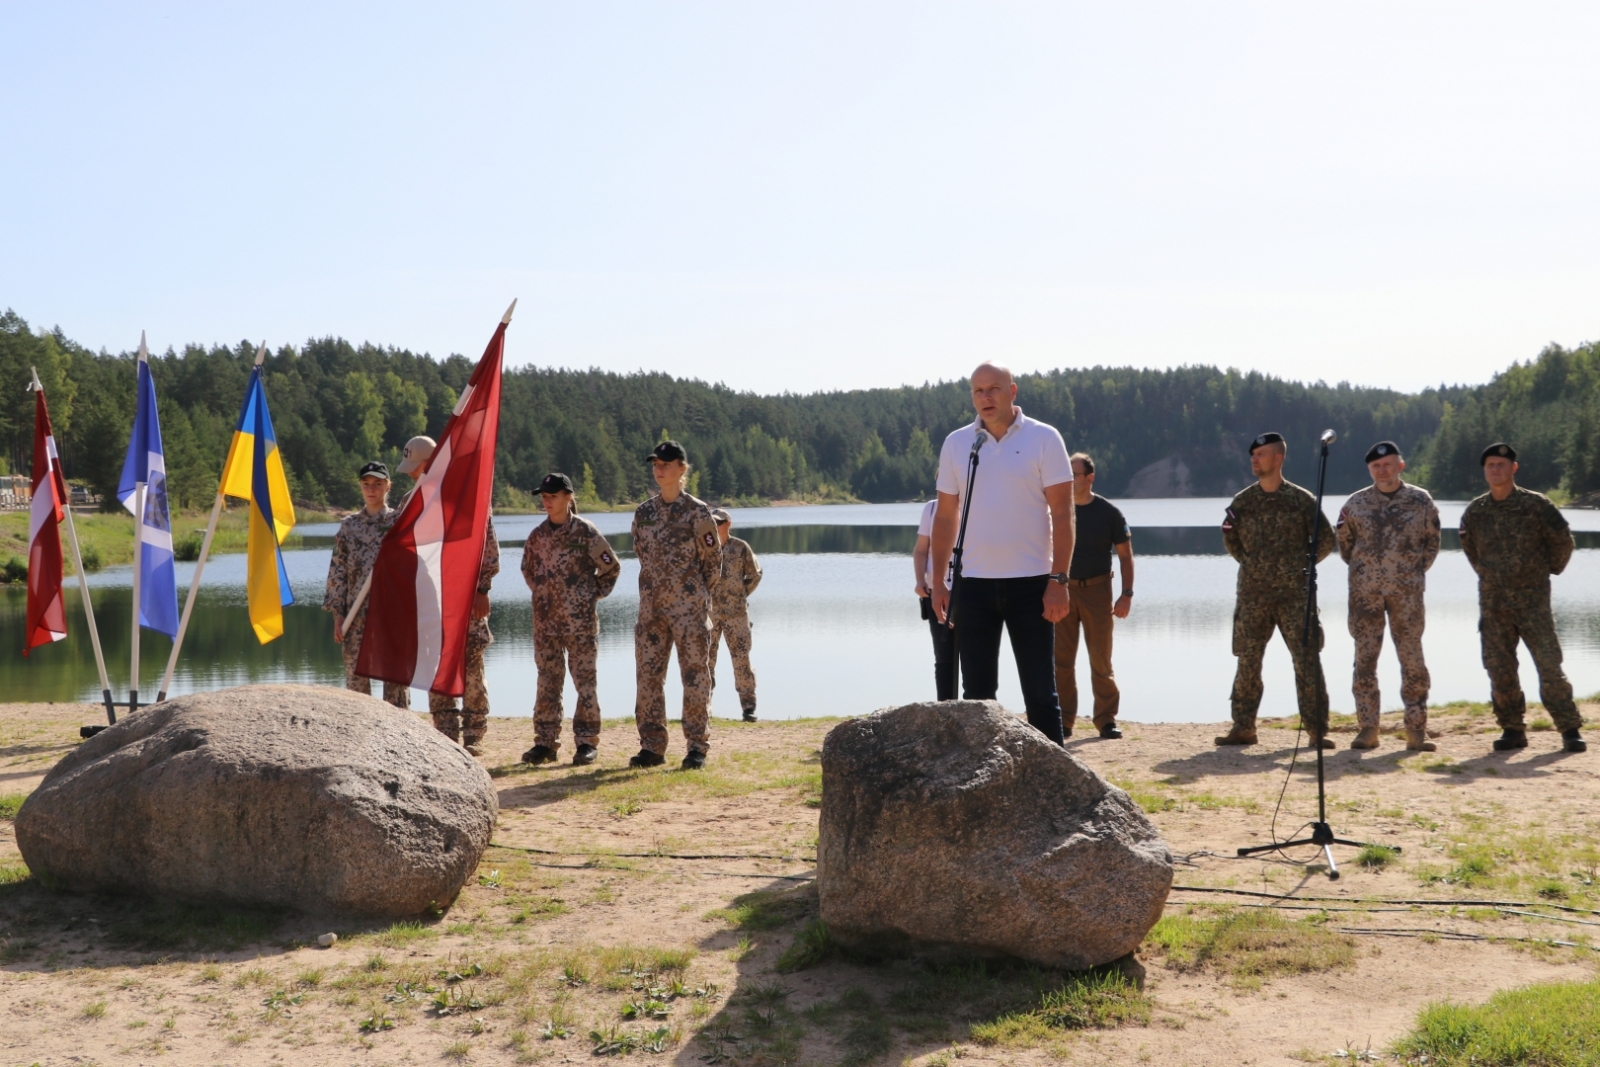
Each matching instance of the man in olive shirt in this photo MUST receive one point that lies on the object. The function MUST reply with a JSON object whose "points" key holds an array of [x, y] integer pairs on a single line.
{"points": [[1516, 539], [1268, 530], [1101, 530]]}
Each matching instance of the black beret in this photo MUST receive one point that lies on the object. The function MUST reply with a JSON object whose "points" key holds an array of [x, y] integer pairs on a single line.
{"points": [[1266, 439], [1499, 449], [1381, 449], [668, 452], [556, 483], [380, 470]]}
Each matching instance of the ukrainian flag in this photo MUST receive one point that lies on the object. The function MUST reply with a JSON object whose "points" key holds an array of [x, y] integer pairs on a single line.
{"points": [[254, 472]]}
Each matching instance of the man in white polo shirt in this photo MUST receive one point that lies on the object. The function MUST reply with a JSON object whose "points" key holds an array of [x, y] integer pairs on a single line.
{"points": [[1020, 532]]}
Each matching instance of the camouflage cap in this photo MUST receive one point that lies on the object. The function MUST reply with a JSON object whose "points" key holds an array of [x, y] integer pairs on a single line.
{"points": [[1381, 449], [1266, 439], [1498, 450]]}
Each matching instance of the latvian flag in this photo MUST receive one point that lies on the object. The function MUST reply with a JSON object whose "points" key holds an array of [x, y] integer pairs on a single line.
{"points": [[47, 614], [426, 574]]}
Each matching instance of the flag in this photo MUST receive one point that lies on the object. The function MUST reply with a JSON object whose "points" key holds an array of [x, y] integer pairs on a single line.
{"points": [[145, 465], [426, 574], [254, 472], [47, 613]]}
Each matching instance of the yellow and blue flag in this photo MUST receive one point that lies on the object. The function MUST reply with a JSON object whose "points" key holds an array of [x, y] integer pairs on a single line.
{"points": [[254, 472]]}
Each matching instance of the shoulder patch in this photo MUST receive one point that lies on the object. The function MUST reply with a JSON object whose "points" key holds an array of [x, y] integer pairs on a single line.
{"points": [[710, 539], [1229, 517]]}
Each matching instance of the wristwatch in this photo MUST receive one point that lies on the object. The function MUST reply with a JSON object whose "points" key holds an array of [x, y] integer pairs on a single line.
{"points": [[1059, 579]]}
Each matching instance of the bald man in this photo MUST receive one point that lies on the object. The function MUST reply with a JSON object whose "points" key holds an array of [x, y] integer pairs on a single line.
{"points": [[1018, 549]]}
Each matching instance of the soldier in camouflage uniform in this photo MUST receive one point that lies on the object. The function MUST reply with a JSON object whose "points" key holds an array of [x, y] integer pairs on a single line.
{"points": [[1516, 539], [1268, 529], [730, 617], [468, 726], [355, 550], [569, 568], [1389, 535], [679, 565]]}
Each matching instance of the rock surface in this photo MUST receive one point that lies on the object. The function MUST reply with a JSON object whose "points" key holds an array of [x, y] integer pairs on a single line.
{"points": [[297, 796], [959, 826]]}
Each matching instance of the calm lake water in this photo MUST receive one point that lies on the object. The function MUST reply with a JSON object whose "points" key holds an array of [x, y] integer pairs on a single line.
{"points": [[836, 624]]}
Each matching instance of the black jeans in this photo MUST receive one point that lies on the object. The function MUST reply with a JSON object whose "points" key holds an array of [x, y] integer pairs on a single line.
{"points": [[944, 653], [984, 606]]}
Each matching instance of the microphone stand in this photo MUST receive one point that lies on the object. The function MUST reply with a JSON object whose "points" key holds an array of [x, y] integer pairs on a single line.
{"points": [[961, 537], [1321, 832]]}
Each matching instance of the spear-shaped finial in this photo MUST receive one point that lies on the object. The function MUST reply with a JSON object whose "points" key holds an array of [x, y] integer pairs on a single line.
{"points": [[144, 353], [35, 385], [261, 353], [506, 318]]}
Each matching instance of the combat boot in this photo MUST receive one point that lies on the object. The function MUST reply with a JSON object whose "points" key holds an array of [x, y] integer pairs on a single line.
{"points": [[646, 758], [1572, 741], [585, 755], [1323, 743], [1417, 740], [1511, 739], [1239, 735], [1366, 738], [750, 713], [539, 754]]}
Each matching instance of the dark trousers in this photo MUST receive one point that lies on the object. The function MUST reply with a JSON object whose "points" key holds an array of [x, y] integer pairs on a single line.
{"points": [[944, 653], [1017, 604]]}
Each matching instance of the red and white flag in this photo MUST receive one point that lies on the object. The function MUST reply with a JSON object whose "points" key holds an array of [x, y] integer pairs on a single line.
{"points": [[47, 613], [426, 575]]}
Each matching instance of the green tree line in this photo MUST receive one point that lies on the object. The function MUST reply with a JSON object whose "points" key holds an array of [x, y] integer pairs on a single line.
{"points": [[336, 405]]}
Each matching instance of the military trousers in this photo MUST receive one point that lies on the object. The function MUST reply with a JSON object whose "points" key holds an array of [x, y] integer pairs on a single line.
{"points": [[1091, 615], [1506, 617], [470, 723], [737, 631], [1254, 620], [655, 635], [393, 692], [555, 653], [1406, 617]]}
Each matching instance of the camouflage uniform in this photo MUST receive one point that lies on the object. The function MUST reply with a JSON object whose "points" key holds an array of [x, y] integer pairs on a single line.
{"points": [[1268, 533], [470, 724], [1515, 545], [569, 569], [1389, 541], [355, 550], [741, 573], [679, 564]]}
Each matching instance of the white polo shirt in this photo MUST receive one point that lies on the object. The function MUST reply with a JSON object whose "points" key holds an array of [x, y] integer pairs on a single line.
{"points": [[1008, 527]]}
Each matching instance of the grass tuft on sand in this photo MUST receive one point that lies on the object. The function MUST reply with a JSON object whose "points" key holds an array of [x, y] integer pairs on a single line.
{"points": [[10, 804], [1554, 1024], [1250, 946]]}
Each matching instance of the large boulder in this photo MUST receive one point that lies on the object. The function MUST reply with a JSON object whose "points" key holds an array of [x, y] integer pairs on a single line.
{"points": [[960, 827], [317, 799]]}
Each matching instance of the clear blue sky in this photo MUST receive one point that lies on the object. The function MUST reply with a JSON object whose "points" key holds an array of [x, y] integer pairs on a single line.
{"points": [[809, 195]]}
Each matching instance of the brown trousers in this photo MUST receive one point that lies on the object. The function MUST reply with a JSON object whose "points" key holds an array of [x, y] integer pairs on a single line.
{"points": [[1091, 610]]}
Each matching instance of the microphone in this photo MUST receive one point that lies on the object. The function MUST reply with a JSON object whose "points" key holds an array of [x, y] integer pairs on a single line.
{"points": [[977, 443], [1329, 437]]}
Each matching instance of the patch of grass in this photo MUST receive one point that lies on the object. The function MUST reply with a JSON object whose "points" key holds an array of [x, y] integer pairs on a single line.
{"points": [[1376, 857], [1147, 797], [14, 874], [1251, 946], [10, 804], [1101, 999], [811, 946], [402, 934], [95, 1009], [187, 927], [767, 909], [1554, 1024]]}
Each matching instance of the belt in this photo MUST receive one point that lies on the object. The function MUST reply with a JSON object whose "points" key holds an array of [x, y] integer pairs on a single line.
{"points": [[1099, 579]]}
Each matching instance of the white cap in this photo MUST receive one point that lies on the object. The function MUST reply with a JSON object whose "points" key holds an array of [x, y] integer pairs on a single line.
{"points": [[416, 453]]}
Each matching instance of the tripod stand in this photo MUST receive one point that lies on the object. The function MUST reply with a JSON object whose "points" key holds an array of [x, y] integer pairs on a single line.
{"points": [[1321, 832]]}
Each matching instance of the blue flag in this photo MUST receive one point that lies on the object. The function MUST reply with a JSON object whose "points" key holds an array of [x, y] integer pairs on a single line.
{"points": [[145, 464]]}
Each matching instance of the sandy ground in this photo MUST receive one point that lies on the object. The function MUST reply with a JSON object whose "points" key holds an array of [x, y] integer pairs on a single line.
{"points": [[557, 942]]}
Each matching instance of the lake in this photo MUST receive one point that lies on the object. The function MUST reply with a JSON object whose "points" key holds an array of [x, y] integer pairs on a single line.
{"points": [[836, 624]]}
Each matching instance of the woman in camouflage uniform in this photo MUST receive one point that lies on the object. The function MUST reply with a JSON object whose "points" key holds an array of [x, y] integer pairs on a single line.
{"points": [[730, 615], [680, 563], [355, 550], [569, 568]]}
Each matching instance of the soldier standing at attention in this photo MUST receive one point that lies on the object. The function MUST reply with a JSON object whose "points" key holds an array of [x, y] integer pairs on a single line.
{"points": [[1516, 539], [1102, 530], [1389, 535], [1268, 530], [355, 550], [469, 724], [730, 616], [680, 563], [569, 567]]}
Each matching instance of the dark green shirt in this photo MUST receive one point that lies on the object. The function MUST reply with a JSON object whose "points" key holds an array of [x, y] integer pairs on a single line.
{"points": [[1515, 543], [1269, 534]]}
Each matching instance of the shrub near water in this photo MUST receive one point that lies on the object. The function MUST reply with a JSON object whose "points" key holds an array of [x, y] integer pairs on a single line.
{"points": [[1551, 1025]]}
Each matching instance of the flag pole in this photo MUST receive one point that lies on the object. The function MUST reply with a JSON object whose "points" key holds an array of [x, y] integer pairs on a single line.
{"points": [[188, 603], [138, 546], [83, 589]]}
